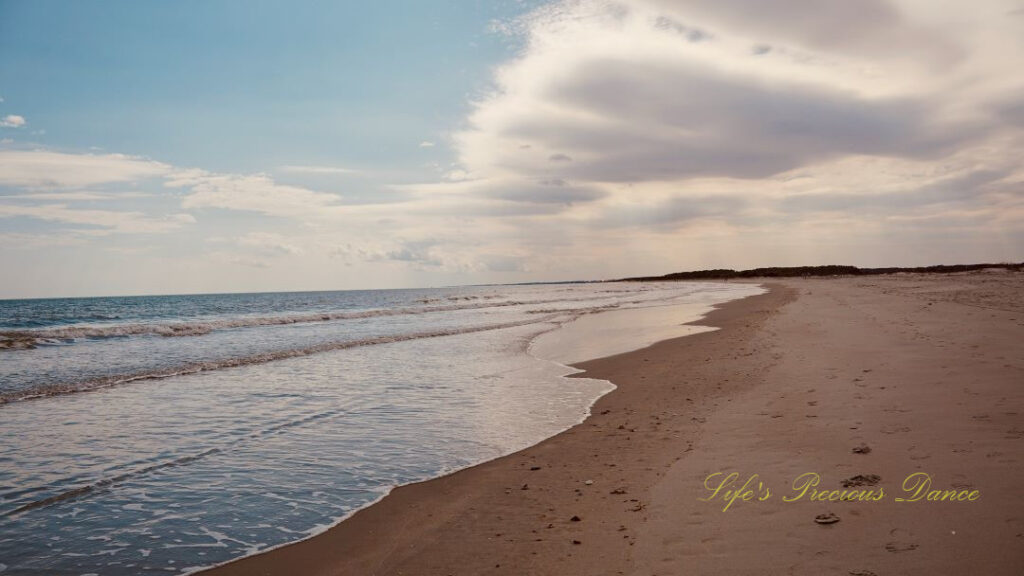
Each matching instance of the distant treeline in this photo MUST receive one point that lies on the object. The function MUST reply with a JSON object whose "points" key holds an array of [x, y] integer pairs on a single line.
{"points": [[832, 270]]}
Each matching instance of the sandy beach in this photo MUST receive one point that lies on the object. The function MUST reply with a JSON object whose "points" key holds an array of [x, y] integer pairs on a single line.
{"points": [[527, 288], [867, 380]]}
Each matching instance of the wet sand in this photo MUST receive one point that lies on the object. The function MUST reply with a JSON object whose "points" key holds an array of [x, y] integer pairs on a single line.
{"points": [[926, 371]]}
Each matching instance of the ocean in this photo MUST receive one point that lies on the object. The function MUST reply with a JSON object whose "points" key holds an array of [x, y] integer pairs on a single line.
{"points": [[163, 434]]}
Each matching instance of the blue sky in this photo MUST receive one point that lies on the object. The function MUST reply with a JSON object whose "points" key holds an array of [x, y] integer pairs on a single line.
{"points": [[205, 146], [240, 86]]}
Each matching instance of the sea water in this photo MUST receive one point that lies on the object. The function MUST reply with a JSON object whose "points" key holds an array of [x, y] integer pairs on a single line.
{"points": [[162, 434]]}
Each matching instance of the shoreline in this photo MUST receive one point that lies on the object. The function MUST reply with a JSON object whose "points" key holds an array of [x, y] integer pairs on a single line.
{"points": [[867, 380], [351, 545]]}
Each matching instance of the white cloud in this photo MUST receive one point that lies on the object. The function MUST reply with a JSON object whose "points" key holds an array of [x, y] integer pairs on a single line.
{"points": [[318, 170], [235, 259], [874, 27], [49, 175], [637, 136], [426, 144], [254, 193], [24, 241], [48, 169], [12, 121], [264, 243], [99, 222], [76, 196], [607, 91], [649, 102]]}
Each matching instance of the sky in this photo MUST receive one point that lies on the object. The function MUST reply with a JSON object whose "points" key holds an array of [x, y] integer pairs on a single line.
{"points": [[216, 146]]}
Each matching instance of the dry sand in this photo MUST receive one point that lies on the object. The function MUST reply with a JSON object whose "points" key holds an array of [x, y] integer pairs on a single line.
{"points": [[927, 371]]}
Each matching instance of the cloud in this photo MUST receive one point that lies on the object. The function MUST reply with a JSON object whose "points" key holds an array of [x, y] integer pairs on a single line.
{"points": [[318, 170], [252, 193], [23, 241], [553, 191], [631, 136], [659, 119], [415, 252], [41, 171], [691, 34], [671, 213], [962, 188], [100, 222], [615, 94], [47, 169], [443, 253], [235, 259], [75, 196], [877, 27], [1011, 110], [269, 244], [12, 121], [683, 121], [501, 196], [501, 263]]}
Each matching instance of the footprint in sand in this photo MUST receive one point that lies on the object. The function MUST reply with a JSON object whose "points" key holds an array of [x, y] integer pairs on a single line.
{"points": [[826, 518], [918, 454], [1016, 524], [901, 544], [961, 482], [861, 480], [900, 547]]}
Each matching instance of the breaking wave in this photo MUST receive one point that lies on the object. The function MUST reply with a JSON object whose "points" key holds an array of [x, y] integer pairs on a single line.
{"points": [[196, 367], [28, 339]]}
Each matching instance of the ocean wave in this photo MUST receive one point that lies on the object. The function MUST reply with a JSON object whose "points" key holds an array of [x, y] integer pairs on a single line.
{"points": [[98, 485], [143, 467], [208, 366], [588, 310], [28, 339]]}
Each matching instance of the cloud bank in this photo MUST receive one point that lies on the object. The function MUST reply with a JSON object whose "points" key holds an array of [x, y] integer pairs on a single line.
{"points": [[627, 137]]}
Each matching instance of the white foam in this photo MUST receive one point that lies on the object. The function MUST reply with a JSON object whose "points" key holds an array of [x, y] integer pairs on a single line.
{"points": [[662, 322], [494, 388], [618, 331]]}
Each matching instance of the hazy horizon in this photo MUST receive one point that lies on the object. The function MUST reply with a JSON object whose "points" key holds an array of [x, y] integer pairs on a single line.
{"points": [[452, 286]]}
